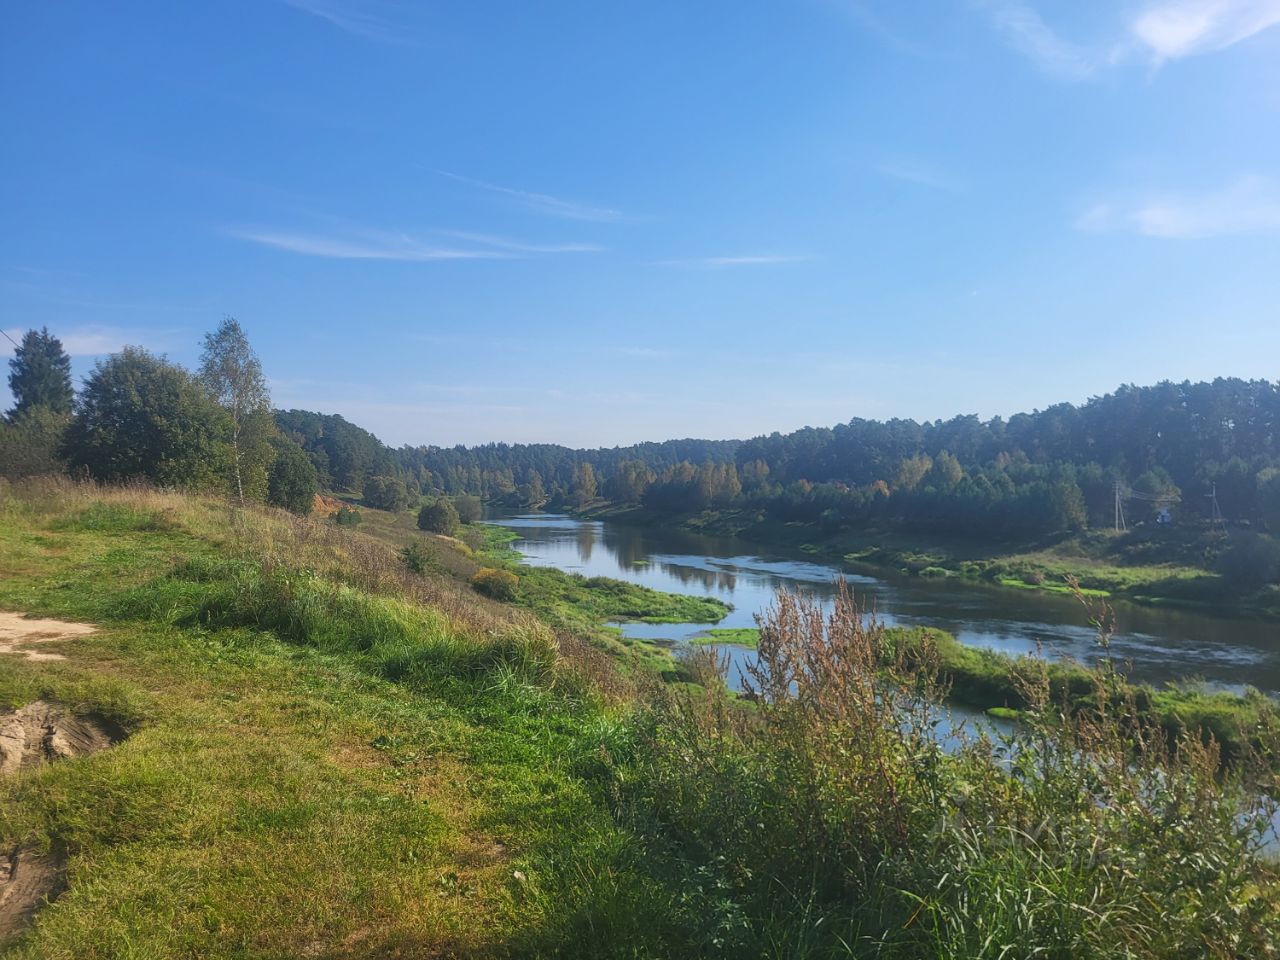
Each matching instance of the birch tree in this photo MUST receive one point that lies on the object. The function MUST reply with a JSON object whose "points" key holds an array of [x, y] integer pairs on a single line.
{"points": [[231, 372]]}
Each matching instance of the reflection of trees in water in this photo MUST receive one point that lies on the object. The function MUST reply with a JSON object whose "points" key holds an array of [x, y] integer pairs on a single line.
{"points": [[629, 547], [586, 537], [708, 579]]}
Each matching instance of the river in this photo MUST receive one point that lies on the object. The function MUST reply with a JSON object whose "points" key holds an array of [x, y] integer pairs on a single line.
{"points": [[1160, 644]]}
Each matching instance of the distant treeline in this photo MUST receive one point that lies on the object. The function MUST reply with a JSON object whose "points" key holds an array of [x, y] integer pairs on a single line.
{"points": [[1167, 448], [347, 456], [1173, 452]]}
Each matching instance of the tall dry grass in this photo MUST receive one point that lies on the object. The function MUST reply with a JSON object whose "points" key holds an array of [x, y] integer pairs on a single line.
{"points": [[843, 814]]}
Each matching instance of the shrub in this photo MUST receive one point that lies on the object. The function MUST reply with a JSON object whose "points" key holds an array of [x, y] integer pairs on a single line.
{"points": [[417, 557], [386, 493], [346, 516], [498, 584], [1251, 561], [438, 516], [469, 509], [30, 443], [291, 481]]}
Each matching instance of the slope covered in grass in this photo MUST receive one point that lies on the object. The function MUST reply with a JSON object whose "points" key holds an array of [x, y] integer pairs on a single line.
{"points": [[329, 755]]}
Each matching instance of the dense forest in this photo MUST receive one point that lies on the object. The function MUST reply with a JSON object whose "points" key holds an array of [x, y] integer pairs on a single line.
{"points": [[1173, 451]]}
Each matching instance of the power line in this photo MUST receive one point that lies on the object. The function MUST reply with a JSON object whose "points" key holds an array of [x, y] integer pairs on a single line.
{"points": [[10, 339]]}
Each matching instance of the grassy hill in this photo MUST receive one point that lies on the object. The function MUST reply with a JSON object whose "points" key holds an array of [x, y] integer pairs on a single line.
{"points": [[322, 753]]}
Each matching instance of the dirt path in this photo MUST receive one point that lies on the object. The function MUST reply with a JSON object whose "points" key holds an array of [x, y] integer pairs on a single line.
{"points": [[18, 634], [34, 734], [39, 733], [29, 878]]}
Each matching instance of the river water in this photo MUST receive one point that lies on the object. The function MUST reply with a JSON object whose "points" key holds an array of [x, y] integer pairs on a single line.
{"points": [[1161, 645]]}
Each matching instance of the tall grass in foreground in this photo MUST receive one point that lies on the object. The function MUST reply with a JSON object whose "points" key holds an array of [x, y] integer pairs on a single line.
{"points": [[838, 825]]}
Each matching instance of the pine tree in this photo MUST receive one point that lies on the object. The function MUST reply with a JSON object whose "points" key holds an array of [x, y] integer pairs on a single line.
{"points": [[40, 374]]}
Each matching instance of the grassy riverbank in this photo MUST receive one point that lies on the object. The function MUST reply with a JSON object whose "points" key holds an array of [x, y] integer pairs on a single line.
{"points": [[1151, 565], [329, 754], [583, 606], [996, 683], [572, 597]]}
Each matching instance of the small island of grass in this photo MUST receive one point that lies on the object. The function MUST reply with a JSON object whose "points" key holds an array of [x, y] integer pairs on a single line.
{"points": [[728, 637]]}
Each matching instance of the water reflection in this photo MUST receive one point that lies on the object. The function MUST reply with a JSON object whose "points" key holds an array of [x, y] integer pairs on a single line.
{"points": [[1161, 644]]}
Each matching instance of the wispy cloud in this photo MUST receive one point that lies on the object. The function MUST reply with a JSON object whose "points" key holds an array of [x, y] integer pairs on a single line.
{"points": [[1160, 31], [1182, 28], [921, 174], [747, 260], [367, 19], [1249, 205], [542, 202], [93, 340], [1027, 32], [364, 244], [518, 246], [641, 353]]}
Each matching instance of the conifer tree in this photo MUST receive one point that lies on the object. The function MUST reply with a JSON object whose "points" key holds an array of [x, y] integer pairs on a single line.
{"points": [[40, 374]]}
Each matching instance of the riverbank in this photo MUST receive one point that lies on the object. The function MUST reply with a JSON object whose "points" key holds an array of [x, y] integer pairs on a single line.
{"points": [[986, 680], [1151, 566], [315, 749], [997, 684]]}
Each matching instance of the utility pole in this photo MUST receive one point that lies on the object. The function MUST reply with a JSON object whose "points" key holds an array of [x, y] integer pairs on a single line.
{"points": [[1215, 512], [1120, 524]]}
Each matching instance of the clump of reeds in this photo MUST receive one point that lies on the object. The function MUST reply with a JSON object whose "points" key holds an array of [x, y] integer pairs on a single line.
{"points": [[842, 808]]}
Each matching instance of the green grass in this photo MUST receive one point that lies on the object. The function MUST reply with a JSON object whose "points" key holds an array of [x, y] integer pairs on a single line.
{"points": [[332, 756], [313, 766], [990, 681], [728, 636]]}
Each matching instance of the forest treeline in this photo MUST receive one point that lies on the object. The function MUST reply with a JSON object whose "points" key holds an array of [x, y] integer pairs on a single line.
{"points": [[1174, 452], [1171, 451]]}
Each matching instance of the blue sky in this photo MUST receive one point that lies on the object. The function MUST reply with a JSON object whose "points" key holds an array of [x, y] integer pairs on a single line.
{"points": [[598, 223]]}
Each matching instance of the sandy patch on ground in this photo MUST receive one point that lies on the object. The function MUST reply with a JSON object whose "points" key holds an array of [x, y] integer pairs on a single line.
{"points": [[42, 732], [29, 878], [18, 634], [38, 733]]}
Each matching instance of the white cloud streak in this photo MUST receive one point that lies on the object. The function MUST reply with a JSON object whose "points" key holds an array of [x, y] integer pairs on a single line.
{"points": [[358, 18], [517, 246], [85, 341], [542, 202], [1182, 28], [1160, 31], [389, 245], [1249, 205], [1027, 32], [747, 260], [921, 174]]}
